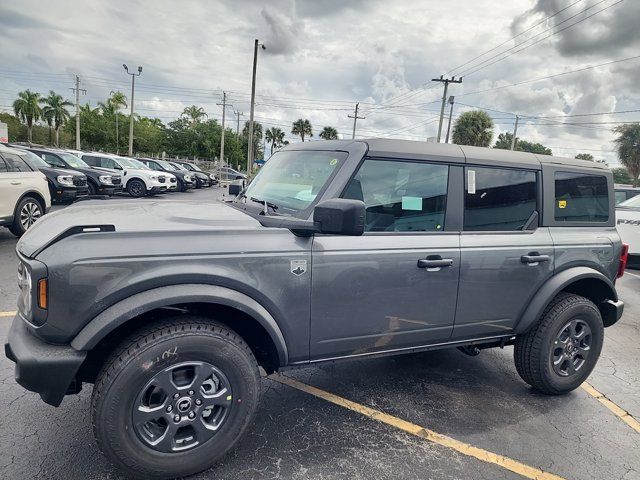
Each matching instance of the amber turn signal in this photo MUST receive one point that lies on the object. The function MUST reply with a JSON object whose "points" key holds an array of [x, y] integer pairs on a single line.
{"points": [[43, 300]]}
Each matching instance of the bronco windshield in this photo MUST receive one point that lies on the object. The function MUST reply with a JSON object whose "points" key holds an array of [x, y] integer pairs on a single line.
{"points": [[633, 202], [291, 180], [73, 161]]}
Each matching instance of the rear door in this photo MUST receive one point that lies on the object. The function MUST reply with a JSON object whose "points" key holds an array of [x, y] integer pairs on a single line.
{"points": [[505, 256], [394, 287]]}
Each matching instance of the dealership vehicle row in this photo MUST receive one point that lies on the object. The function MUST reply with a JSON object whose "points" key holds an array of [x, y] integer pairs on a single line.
{"points": [[33, 177]]}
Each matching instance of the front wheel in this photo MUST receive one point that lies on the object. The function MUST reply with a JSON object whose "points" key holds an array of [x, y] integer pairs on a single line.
{"points": [[27, 212], [175, 398], [559, 353], [136, 188]]}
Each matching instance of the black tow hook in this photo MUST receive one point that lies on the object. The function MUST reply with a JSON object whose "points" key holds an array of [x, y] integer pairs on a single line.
{"points": [[470, 350]]}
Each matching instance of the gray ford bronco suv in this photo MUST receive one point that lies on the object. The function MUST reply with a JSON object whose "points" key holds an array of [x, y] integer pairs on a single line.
{"points": [[337, 249]]}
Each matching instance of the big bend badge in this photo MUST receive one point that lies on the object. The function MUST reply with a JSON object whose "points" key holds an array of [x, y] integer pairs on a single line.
{"points": [[298, 267]]}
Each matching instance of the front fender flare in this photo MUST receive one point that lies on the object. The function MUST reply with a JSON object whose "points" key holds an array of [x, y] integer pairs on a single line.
{"points": [[123, 311], [555, 285]]}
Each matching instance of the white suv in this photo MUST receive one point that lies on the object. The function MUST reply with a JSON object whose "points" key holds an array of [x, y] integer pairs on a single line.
{"points": [[24, 192], [137, 179]]}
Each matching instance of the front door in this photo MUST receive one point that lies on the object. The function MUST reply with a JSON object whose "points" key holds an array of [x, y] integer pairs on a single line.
{"points": [[505, 257], [394, 287]]}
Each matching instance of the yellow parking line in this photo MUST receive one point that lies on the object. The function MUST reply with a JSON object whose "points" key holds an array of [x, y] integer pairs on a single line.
{"points": [[622, 414], [8, 314], [437, 438]]}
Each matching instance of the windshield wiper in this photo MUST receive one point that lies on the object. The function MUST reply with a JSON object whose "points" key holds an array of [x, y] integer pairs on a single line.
{"points": [[266, 204]]}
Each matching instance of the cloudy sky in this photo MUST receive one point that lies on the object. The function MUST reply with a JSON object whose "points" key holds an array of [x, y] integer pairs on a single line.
{"points": [[322, 57]]}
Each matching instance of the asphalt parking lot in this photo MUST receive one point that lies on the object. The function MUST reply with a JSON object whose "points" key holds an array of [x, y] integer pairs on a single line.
{"points": [[435, 415]]}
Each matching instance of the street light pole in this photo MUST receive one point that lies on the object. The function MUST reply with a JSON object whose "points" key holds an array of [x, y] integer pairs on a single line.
{"points": [[253, 101], [133, 83]]}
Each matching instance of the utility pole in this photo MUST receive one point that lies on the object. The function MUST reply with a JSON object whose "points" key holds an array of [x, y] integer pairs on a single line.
{"points": [[515, 132], [451, 99], [238, 114], [77, 91], [224, 109], [355, 119], [133, 83], [253, 103], [446, 82]]}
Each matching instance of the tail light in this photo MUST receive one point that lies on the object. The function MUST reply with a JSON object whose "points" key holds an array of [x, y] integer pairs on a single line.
{"points": [[624, 256]]}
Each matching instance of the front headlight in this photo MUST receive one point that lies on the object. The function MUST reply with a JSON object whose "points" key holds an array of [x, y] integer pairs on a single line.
{"points": [[24, 291], [105, 179], [187, 178], [66, 180]]}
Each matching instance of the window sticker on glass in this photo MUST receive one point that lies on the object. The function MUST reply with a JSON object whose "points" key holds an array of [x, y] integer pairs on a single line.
{"points": [[333, 161], [562, 204], [412, 203], [471, 182]]}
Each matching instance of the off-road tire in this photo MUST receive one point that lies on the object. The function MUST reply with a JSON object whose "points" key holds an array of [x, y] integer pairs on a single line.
{"points": [[16, 227], [137, 360], [532, 352], [136, 188]]}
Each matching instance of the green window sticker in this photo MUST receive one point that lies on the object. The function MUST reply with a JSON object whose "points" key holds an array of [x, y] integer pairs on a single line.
{"points": [[412, 203]]}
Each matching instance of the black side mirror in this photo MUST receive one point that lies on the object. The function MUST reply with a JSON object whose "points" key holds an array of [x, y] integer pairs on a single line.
{"points": [[340, 216], [235, 188]]}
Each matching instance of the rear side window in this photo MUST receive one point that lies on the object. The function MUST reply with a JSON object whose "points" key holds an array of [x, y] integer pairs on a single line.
{"points": [[91, 160], [3, 166], [581, 197], [16, 164], [499, 199], [401, 196]]}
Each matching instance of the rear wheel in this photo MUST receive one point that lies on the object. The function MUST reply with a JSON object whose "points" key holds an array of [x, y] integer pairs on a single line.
{"points": [[136, 188], [175, 398], [26, 213], [559, 353]]}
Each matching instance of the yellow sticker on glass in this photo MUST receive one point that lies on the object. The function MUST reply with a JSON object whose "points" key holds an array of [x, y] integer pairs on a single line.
{"points": [[562, 204], [333, 161]]}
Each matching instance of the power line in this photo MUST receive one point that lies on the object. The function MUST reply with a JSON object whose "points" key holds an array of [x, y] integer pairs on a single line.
{"points": [[474, 70], [512, 38]]}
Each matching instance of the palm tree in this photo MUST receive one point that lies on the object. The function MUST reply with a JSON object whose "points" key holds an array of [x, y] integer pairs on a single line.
{"points": [[329, 133], [55, 109], [628, 143], [302, 127], [257, 135], [27, 109], [275, 137], [194, 114], [115, 101], [48, 117], [473, 128]]}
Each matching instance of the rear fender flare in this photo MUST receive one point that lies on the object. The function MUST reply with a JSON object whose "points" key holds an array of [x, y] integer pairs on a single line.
{"points": [[555, 285]]}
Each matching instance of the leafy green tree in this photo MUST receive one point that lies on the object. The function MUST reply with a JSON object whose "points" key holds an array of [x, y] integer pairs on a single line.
{"points": [[17, 131], [628, 145], [27, 108], [275, 136], [302, 128], [621, 175], [329, 133], [504, 142], [257, 137], [585, 156], [473, 128], [194, 114], [55, 111]]}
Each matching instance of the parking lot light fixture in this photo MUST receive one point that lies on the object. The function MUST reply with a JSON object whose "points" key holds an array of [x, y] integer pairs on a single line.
{"points": [[253, 102], [133, 83]]}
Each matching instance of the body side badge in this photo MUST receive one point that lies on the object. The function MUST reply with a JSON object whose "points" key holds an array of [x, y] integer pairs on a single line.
{"points": [[298, 267]]}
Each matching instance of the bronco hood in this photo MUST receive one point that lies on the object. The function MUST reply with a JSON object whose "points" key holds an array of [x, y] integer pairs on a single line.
{"points": [[131, 216]]}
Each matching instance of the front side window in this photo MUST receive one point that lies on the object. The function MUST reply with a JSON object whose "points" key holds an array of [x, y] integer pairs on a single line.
{"points": [[53, 160], [499, 199], [400, 196], [291, 180], [73, 161], [581, 197], [34, 160]]}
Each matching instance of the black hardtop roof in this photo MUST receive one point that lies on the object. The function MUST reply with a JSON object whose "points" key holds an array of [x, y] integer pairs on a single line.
{"points": [[410, 149]]}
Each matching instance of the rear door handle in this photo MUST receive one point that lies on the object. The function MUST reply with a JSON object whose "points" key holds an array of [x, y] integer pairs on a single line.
{"points": [[434, 261], [534, 258]]}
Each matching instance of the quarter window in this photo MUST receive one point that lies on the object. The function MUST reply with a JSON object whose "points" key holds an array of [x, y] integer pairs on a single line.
{"points": [[499, 199], [581, 197], [401, 196], [3, 166]]}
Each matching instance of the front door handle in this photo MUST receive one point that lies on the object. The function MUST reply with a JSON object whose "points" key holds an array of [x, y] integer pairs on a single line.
{"points": [[16, 183], [434, 261], [534, 258]]}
